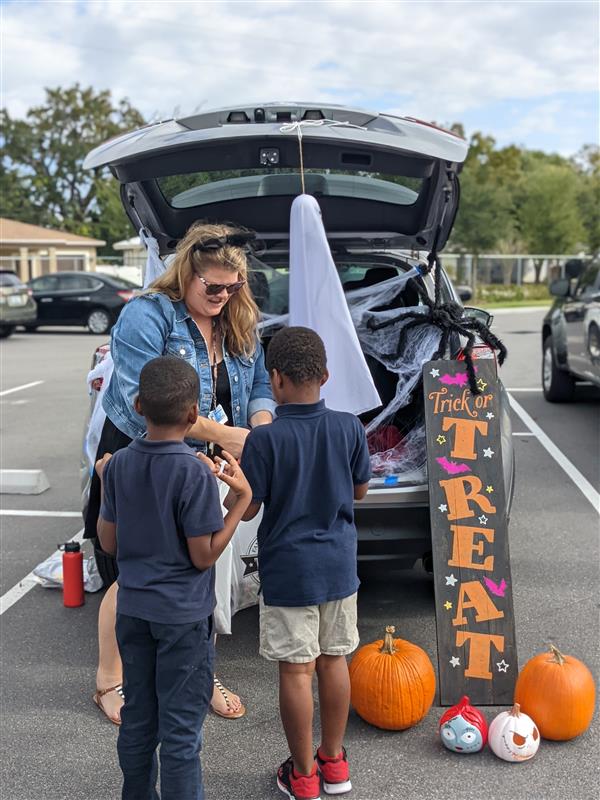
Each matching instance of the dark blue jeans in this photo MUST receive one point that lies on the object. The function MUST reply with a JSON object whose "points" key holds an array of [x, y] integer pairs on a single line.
{"points": [[168, 685]]}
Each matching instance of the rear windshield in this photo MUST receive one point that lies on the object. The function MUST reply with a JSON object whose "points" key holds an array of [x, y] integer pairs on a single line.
{"points": [[202, 188], [9, 279]]}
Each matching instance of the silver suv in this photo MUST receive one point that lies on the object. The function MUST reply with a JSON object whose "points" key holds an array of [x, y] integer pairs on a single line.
{"points": [[388, 190]]}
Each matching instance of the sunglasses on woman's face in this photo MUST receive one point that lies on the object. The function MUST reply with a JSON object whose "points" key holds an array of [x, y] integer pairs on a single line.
{"points": [[217, 288]]}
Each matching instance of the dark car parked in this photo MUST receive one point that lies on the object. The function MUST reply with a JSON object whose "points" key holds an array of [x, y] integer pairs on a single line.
{"points": [[17, 306], [80, 298], [571, 332]]}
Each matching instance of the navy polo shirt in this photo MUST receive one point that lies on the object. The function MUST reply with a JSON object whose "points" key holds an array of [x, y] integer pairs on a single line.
{"points": [[159, 494], [304, 467]]}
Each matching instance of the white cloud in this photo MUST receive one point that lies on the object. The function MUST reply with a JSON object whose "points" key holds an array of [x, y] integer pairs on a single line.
{"points": [[435, 60]]}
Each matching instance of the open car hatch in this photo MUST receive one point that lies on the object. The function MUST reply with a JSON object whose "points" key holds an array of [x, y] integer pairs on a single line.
{"points": [[390, 181]]}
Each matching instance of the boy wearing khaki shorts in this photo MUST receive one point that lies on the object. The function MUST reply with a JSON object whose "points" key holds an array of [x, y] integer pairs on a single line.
{"points": [[307, 468]]}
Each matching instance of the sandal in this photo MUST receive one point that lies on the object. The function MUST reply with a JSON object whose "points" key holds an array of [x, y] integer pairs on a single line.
{"points": [[230, 714], [99, 694]]}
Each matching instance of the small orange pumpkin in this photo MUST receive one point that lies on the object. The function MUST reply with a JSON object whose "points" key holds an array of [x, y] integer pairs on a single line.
{"points": [[558, 691], [392, 682]]}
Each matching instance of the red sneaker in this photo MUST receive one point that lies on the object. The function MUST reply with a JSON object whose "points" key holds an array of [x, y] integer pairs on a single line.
{"points": [[298, 787], [335, 772]]}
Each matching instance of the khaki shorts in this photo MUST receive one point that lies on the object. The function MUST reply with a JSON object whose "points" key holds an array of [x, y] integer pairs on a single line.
{"points": [[301, 634]]}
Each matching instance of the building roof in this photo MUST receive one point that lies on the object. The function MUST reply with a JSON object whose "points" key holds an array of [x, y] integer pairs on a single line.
{"points": [[14, 232], [129, 244]]}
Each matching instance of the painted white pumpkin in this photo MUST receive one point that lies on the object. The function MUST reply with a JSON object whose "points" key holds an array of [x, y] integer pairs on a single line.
{"points": [[514, 736]]}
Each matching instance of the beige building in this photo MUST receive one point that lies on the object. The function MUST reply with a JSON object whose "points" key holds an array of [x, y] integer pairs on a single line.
{"points": [[31, 251]]}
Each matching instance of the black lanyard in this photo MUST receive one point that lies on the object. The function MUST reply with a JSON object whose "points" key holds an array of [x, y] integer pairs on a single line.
{"points": [[214, 366]]}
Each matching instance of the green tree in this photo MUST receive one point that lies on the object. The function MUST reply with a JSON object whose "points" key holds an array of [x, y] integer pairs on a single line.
{"points": [[42, 180], [548, 214], [587, 164]]}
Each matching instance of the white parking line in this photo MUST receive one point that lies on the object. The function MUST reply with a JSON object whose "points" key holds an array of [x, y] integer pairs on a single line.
{"points": [[20, 388], [524, 389], [26, 584], [524, 433], [578, 479], [20, 512]]}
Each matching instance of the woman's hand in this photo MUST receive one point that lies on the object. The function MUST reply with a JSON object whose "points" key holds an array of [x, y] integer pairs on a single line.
{"points": [[233, 440], [101, 463]]}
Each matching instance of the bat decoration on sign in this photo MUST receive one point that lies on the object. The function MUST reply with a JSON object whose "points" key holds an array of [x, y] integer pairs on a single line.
{"points": [[452, 467], [496, 588], [455, 380]]}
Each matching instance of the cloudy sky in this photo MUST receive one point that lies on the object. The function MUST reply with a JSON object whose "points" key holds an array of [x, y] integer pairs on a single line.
{"points": [[524, 71]]}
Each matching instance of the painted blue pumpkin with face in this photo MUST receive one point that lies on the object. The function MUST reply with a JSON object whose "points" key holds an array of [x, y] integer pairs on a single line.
{"points": [[463, 728]]}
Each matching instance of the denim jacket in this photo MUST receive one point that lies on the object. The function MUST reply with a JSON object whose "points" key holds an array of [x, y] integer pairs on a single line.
{"points": [[153, 325]]}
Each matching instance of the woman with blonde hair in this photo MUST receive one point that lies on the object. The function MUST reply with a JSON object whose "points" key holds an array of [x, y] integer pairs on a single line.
{"points": [[201, 309]]}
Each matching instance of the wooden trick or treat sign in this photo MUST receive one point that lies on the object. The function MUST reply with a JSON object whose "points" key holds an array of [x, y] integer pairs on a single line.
{"points": [[473, 588]]}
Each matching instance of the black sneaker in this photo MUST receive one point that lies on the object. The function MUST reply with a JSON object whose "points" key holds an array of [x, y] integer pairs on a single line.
{"points": [[298, 787]]}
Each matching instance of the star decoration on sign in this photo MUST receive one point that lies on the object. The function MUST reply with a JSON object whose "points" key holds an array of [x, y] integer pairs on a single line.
{"points": [[488, 452], [441, 439], [451, 580], [483, 520], [481, 384], [502, 665], [455, 661], [434, 373], [447, 605], [443, 507], [489, 415], [489, 489], [251, 563]]}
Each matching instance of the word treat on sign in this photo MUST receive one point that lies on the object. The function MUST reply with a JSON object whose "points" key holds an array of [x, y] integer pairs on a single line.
{"points": [[473, 587]]}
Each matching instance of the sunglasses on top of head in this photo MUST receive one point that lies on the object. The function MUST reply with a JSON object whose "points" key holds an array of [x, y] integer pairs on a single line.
{"points": [[238, 239], [217, 288]]}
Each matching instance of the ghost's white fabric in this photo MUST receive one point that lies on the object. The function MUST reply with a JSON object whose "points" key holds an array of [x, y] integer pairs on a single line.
{"points": [[102, 371], [154, 266], [317, 301]]}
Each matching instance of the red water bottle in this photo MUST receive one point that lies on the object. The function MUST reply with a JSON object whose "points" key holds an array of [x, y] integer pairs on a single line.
{"points": [[73, 595]]}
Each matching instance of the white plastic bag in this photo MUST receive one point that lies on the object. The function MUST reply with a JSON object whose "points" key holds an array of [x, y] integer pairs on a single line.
{"points": [[236, 578], [49, 573]]}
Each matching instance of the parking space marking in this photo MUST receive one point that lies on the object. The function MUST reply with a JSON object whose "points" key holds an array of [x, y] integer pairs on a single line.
{"points": [[578, 479], [524, 389], [21, 512], [26, 584], [525, 433], [20, 388]]}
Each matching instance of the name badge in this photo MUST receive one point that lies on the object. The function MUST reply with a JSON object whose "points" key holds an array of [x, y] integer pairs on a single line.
{"points": [[218, 415]]}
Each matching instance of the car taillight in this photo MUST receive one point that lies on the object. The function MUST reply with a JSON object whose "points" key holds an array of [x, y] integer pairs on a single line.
{"points": [[125, 295]]}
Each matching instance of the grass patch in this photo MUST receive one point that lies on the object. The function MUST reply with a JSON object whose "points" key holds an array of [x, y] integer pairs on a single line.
{"points": [[501, 295]]}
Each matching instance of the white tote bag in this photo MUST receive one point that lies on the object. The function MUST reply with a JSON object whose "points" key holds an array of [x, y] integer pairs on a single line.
{"points": [[236, 571]]}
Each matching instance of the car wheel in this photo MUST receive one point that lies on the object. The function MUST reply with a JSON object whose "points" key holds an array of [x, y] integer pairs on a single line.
{"points": [[99, 321], [30, 328], [107, 565], [594, 343], [558, 385], [6, 330]]}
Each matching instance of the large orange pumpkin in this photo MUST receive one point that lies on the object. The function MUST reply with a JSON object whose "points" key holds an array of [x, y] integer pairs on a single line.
{"points": [[558, 691], [393, 683]]}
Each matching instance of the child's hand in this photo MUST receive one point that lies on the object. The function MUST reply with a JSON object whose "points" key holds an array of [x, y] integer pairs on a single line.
{"points": [[230, 472], [209, 463], [101, 463]]}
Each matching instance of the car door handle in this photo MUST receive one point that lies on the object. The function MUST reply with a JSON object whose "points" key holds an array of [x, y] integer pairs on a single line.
{"points": [[46, 299], [83, 299]]}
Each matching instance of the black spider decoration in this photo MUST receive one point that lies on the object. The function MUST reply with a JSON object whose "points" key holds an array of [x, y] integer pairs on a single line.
{"points": [[448, 317]]}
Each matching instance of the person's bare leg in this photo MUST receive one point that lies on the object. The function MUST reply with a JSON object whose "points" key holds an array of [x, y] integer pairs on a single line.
{"points": [[219, 703], [110, 669], [334, 702], [296, 707]]}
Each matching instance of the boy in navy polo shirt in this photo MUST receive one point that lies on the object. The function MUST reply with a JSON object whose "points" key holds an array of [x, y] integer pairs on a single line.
{"points": [[307, 467], [162, 517]]}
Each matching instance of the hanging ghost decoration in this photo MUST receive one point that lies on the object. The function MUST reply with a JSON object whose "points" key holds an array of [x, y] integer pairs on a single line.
{"points": [[317, 301]]}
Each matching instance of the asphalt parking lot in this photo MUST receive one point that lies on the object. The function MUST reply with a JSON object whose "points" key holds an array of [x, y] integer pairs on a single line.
{"points": [[57, 746]]}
